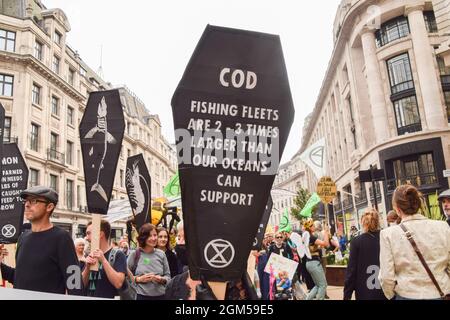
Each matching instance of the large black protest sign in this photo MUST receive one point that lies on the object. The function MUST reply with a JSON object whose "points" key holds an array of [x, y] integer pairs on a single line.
{"points": [[13, 181], [232, 114], [2, 128], [101, 134], [257, 244], [138, 184]]}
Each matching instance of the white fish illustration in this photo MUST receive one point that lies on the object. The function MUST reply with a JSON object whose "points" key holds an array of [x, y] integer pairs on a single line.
{"points": [[135, 192], [101, 127]]}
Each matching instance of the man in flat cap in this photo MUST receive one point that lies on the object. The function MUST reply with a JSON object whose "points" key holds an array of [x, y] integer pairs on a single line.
{"points": [[46, 260], [444, 197]]}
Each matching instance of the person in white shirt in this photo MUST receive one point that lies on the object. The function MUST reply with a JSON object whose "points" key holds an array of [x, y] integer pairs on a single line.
{"points": [[402, 275]]}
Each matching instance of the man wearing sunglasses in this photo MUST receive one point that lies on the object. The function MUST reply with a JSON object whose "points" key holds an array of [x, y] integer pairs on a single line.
{"points": [[45, 258]]}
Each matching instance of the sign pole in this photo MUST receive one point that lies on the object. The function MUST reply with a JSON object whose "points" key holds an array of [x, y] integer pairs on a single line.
{"points": [[95, 240], [374, 188], [251, 267], [219, 289]]}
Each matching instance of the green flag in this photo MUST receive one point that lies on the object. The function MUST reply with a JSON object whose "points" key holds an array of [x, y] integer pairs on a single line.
{"points": [[309, 206], [173, 187], [285, 224]]}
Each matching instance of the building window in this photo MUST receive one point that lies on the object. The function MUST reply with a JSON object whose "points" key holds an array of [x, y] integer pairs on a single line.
{"points": [[57, 37], [83, 72], [418, 170], [38, 47], [71, 77], [7, 40], [400, 74], [69, 153], [392, 30], [54, 143], [407, 115], [79, 197], [36, 94], [56, 63], [54, 182], [34, 137], [70, 115], [430, 21], [7, 130], [121, 179], [69, 194], [55, 106], [447, 103], [352, 118], [34, 177], [6, 85]]}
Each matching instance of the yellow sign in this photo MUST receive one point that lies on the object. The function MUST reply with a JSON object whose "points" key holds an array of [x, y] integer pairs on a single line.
{"points": [[326, 189]]}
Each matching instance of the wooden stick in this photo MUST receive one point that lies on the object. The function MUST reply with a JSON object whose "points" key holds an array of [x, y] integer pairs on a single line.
{"points": [[219, 289], [95, 236], [251, 266], [1, 278]]}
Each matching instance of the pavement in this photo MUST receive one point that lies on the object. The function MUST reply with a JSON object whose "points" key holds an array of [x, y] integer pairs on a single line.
{"points": [[335, 293]]}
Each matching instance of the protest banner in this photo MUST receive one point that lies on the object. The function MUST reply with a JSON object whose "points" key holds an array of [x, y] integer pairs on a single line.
{"points": [[279, 264], [101, 133], [232, 113], [138, 184]]}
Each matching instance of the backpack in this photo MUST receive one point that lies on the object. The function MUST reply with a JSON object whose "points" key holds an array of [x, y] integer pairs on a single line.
{"points": [[128, 290]]}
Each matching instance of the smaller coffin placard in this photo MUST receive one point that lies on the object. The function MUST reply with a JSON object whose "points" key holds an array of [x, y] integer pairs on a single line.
{"points": [[101, 134], [257, 244], [14, 180], [138, 184]]}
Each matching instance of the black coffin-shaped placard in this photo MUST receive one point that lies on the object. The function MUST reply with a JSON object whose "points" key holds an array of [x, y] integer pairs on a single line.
{"points": [[2, 128], [257, 244], [101, 135], [139, 184], [232, 113], [14, 180]]}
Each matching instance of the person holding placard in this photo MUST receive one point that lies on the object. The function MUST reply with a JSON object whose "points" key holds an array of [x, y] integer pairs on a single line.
{"points": [[110, 276], [45, 258], [313, 264]]}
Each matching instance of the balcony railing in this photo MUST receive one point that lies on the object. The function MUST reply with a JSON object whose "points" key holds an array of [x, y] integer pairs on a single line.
{"points": [[415, 127], [419, 181], [55, 156]]}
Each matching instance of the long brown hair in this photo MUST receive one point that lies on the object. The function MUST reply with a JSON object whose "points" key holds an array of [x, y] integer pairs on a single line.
{"points": [[160, 229], [408, 199]]}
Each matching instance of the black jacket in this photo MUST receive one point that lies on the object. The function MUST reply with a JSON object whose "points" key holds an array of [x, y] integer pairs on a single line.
{"points": [[363, 269], [173, 263], [285, 250]]}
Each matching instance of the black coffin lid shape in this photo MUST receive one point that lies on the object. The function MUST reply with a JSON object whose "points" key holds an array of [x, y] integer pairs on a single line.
{"points": [[101, 135], [257, 244], [14, 181], [139, 189], [245, 70]]}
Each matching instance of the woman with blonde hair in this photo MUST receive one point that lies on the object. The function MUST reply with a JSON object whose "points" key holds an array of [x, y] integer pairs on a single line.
{"points": [[364, 264], [313, 263], [415, 255]]}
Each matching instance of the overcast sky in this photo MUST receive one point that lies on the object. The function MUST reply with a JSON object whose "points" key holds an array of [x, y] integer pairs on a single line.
{"points": [[147, 44]]}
